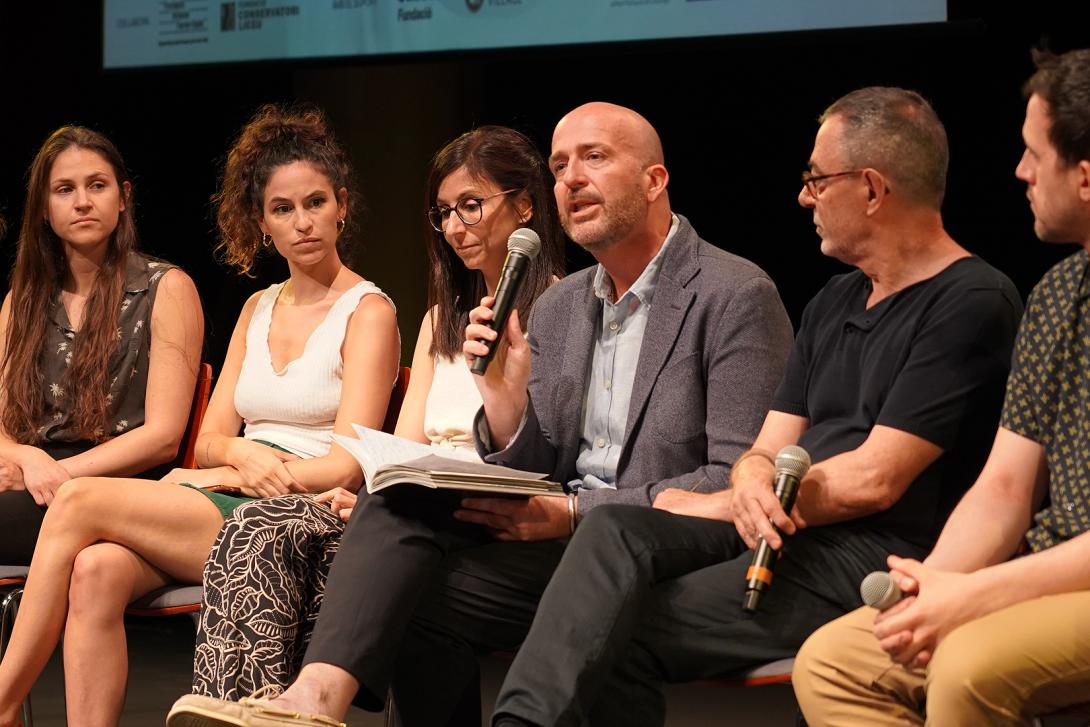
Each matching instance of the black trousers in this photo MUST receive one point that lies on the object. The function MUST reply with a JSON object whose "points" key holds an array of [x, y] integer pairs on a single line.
{"points": [[643, 597], [20, 521], [414, 596]]}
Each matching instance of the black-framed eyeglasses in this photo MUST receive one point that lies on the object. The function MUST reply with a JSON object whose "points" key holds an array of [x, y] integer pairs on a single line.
{"points": [[811, 180], [469, 210]]}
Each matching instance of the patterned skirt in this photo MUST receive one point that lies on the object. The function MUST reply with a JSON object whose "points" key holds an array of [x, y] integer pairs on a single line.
{"points": [[263, 586]]}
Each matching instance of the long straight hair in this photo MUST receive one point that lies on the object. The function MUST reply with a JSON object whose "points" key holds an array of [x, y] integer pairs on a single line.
{"points": [[41, 267], [508, 159]]}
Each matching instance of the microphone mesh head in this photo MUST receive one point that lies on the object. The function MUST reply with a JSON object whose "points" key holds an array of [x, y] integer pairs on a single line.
{"points": [[793, 460], [525, 241], [879, 590]]}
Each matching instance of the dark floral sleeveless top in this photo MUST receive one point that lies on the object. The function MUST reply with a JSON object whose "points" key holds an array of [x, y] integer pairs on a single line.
{"points": [[128, 364]]}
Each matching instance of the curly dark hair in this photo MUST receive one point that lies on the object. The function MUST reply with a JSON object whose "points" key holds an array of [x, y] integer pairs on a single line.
{"points": [[273, 137]]}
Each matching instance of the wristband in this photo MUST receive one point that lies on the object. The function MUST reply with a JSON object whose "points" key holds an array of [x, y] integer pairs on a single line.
{"points": [[754, 453]]}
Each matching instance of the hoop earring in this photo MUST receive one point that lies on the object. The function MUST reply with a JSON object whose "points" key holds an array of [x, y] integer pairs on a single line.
{"points": [[266, 239], [340, 225]]}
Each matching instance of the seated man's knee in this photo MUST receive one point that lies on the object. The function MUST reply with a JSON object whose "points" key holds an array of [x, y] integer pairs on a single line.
{"points": [[840, 658], [617, 518], [816, 656], [965, 673]]}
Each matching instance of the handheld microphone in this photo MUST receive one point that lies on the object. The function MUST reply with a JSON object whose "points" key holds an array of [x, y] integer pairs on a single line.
{"points": [[522, 246], [791, 465], [879, 590]]}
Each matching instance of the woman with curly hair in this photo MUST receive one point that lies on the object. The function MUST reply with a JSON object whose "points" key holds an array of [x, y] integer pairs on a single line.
{"points": [[98, 380], [265, 578], [308, 357]]}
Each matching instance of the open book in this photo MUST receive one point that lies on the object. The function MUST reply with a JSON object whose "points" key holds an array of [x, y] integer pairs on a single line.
{"points": [[388, 460]]}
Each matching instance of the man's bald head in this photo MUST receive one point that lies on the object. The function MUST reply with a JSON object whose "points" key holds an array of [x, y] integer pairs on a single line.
{"points": [[627, 128], [610, 179]]}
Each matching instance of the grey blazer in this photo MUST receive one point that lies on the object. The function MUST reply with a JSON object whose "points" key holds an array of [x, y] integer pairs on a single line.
{"points": [[712, 355]]}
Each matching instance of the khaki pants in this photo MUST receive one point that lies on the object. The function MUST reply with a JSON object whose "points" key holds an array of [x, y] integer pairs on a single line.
{"points": [[1003, 669]]}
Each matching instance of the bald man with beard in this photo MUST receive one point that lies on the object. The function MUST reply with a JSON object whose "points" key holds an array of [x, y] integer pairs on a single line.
{"points": [[651, 370]]}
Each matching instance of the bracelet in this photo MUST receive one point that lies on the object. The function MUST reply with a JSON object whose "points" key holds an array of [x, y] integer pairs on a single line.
{"points": [[571, 513], [754, 453]]}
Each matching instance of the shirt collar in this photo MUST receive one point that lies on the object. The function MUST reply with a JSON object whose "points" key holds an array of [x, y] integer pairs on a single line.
{"points": [[138, 274], [644, 287]]}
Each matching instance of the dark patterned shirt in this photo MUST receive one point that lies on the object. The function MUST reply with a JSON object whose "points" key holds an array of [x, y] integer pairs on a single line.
{"points": [[1047, 397], [128, 364]]}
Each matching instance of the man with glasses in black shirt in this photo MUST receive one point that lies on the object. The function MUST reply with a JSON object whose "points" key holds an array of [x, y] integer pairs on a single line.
{"points": [[897, 371], [981, 638]]}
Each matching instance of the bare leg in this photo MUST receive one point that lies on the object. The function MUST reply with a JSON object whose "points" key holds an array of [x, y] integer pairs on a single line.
{"points": [[171, 527], [105, 578]]}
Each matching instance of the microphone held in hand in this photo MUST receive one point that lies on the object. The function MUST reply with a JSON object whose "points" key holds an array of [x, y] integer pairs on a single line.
{"points": [[879, 590], [791, 465], [522, 246]]}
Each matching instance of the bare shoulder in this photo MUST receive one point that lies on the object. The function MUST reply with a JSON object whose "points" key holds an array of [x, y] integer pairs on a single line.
{"points": [[176, 285], [375, 307], [373, 313]]}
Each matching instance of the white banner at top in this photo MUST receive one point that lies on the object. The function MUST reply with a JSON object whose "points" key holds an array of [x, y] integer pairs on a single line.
{"points": [[174, 32]]}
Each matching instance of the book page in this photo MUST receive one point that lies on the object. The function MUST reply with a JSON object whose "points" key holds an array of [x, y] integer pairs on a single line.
{"points": [[375, 450]]}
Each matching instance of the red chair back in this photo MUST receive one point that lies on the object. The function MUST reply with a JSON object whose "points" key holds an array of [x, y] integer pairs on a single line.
{"points": [[397, 398], [187, 452]]}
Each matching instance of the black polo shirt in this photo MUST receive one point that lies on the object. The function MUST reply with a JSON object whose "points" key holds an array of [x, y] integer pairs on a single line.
{"points": [[931, 360]]}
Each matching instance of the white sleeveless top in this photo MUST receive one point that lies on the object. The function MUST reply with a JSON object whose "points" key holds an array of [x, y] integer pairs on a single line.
{"points": [[296, 408], [453, 401]]}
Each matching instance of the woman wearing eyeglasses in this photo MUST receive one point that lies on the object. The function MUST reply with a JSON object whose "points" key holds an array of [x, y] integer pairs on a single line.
{"points": [[266, 575]]}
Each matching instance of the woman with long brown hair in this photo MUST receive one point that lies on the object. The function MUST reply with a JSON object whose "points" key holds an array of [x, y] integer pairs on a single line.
{"points": [[308, 357], [99, 345]]}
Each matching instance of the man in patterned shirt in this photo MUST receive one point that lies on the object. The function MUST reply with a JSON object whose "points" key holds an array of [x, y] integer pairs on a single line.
{"points": [[982, 638]]}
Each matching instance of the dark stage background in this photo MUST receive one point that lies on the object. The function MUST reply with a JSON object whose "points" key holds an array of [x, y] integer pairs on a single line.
{"points": [[737, 118]]}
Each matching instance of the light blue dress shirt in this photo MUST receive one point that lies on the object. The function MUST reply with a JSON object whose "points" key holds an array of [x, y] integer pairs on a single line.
{"points": [[612, 372]]}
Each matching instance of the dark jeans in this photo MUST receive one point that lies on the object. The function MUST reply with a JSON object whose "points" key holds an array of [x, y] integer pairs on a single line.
{"points": [[415, 595], [644, 597]]}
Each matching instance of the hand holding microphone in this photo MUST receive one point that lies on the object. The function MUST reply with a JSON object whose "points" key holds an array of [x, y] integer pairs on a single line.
{"points": [[522, 246], [879, 590], [504, 388], [792, 463]]}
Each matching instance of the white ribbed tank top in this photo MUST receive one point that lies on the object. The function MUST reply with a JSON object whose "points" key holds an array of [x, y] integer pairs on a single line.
{"points": [[453, 401], [296, 408]]}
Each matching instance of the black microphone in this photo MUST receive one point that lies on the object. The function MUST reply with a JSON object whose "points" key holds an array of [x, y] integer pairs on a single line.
{"points": [[879, 590], [522, 246], [791, 465]]}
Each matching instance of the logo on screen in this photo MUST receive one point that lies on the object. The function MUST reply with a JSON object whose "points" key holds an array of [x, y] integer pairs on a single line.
{"points": [[227, 17], [474, 5]]}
